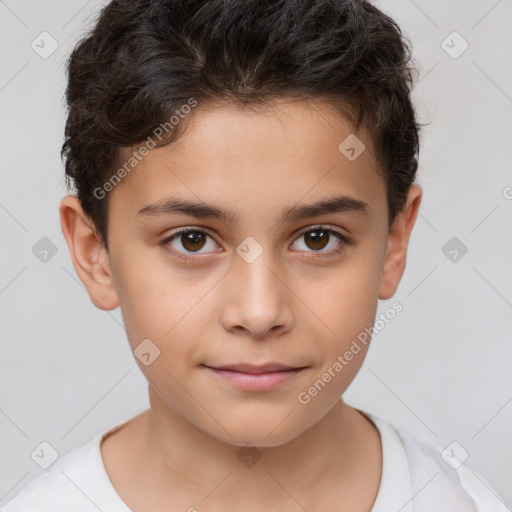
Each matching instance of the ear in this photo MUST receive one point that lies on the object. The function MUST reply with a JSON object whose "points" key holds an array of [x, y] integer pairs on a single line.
{"points": [[394, 263], [90, 258]]}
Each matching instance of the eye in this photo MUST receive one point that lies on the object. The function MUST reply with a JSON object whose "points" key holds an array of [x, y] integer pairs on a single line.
{"points": [[190, 239], [320, 237], [193, 240]]}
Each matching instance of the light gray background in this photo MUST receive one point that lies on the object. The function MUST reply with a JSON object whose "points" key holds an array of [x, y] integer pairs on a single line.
{"points": [[440, 369]]}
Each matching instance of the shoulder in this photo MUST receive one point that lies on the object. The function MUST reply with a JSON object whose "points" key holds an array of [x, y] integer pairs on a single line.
{"points": [[57, 489], [77, 481], [439, 478]]}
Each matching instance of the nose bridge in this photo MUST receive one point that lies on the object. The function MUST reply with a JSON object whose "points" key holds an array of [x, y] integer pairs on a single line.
{"points": [[256, 276]]}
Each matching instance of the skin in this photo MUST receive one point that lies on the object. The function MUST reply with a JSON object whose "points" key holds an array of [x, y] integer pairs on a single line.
{"points": [[285, 306]]}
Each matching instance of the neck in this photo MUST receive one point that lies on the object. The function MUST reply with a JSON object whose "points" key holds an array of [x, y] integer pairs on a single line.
{"points": [[195, 464]]}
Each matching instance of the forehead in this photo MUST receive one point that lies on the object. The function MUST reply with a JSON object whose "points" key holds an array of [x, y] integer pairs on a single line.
{"points": [[252, 162]]}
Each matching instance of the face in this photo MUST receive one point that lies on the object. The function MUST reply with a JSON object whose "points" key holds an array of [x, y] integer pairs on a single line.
{"points": [[270, 281]]}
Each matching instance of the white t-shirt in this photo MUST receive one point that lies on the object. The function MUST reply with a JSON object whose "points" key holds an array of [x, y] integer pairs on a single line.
{"points": [[415, 478]]}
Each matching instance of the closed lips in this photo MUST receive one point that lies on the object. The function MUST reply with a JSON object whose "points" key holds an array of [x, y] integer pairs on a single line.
{"points": [[248, 368]]}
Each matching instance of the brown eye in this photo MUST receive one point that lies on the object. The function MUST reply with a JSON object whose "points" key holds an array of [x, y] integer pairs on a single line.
{"points": [[193, 240], [190, 242], [317, 239]]}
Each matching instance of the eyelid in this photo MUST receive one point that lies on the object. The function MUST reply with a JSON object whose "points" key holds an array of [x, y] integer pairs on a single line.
{"points": [[328, 227]]}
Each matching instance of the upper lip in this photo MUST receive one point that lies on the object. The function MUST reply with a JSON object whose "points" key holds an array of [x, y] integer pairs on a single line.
{"points": [[251, 368]]}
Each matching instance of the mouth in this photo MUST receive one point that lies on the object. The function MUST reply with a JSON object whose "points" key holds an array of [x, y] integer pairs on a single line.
{"points": [[251, 368], [249, 377]]}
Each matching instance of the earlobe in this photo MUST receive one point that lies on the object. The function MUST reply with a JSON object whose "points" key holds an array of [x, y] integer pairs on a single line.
{"points": [[89, 256], [398, 242]]}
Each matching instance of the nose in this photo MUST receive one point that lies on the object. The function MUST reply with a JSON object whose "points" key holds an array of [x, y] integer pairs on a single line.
{"points": [[257, 301]]}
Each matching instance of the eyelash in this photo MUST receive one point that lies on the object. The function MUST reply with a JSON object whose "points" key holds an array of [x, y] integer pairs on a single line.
{"points": [[318, 255]]}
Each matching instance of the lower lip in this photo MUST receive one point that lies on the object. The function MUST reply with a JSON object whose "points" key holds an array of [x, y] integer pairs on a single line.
{"points": [[256, 381]]}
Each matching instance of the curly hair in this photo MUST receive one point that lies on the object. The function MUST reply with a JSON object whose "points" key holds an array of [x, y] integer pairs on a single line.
{"points": [[144, 59]]}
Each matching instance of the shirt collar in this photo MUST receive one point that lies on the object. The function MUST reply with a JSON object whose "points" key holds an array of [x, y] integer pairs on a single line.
{"points": [[395, 490]]}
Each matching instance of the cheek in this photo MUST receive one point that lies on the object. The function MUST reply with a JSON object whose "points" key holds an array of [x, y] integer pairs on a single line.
{"points": [[347, 300], [154, 297], [347, 304]]}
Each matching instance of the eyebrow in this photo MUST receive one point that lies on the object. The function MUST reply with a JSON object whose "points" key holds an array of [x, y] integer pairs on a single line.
{"points": [[170, 206]]}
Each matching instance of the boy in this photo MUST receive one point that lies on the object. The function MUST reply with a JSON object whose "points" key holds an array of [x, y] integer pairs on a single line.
{"points": [[279, 138]]}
